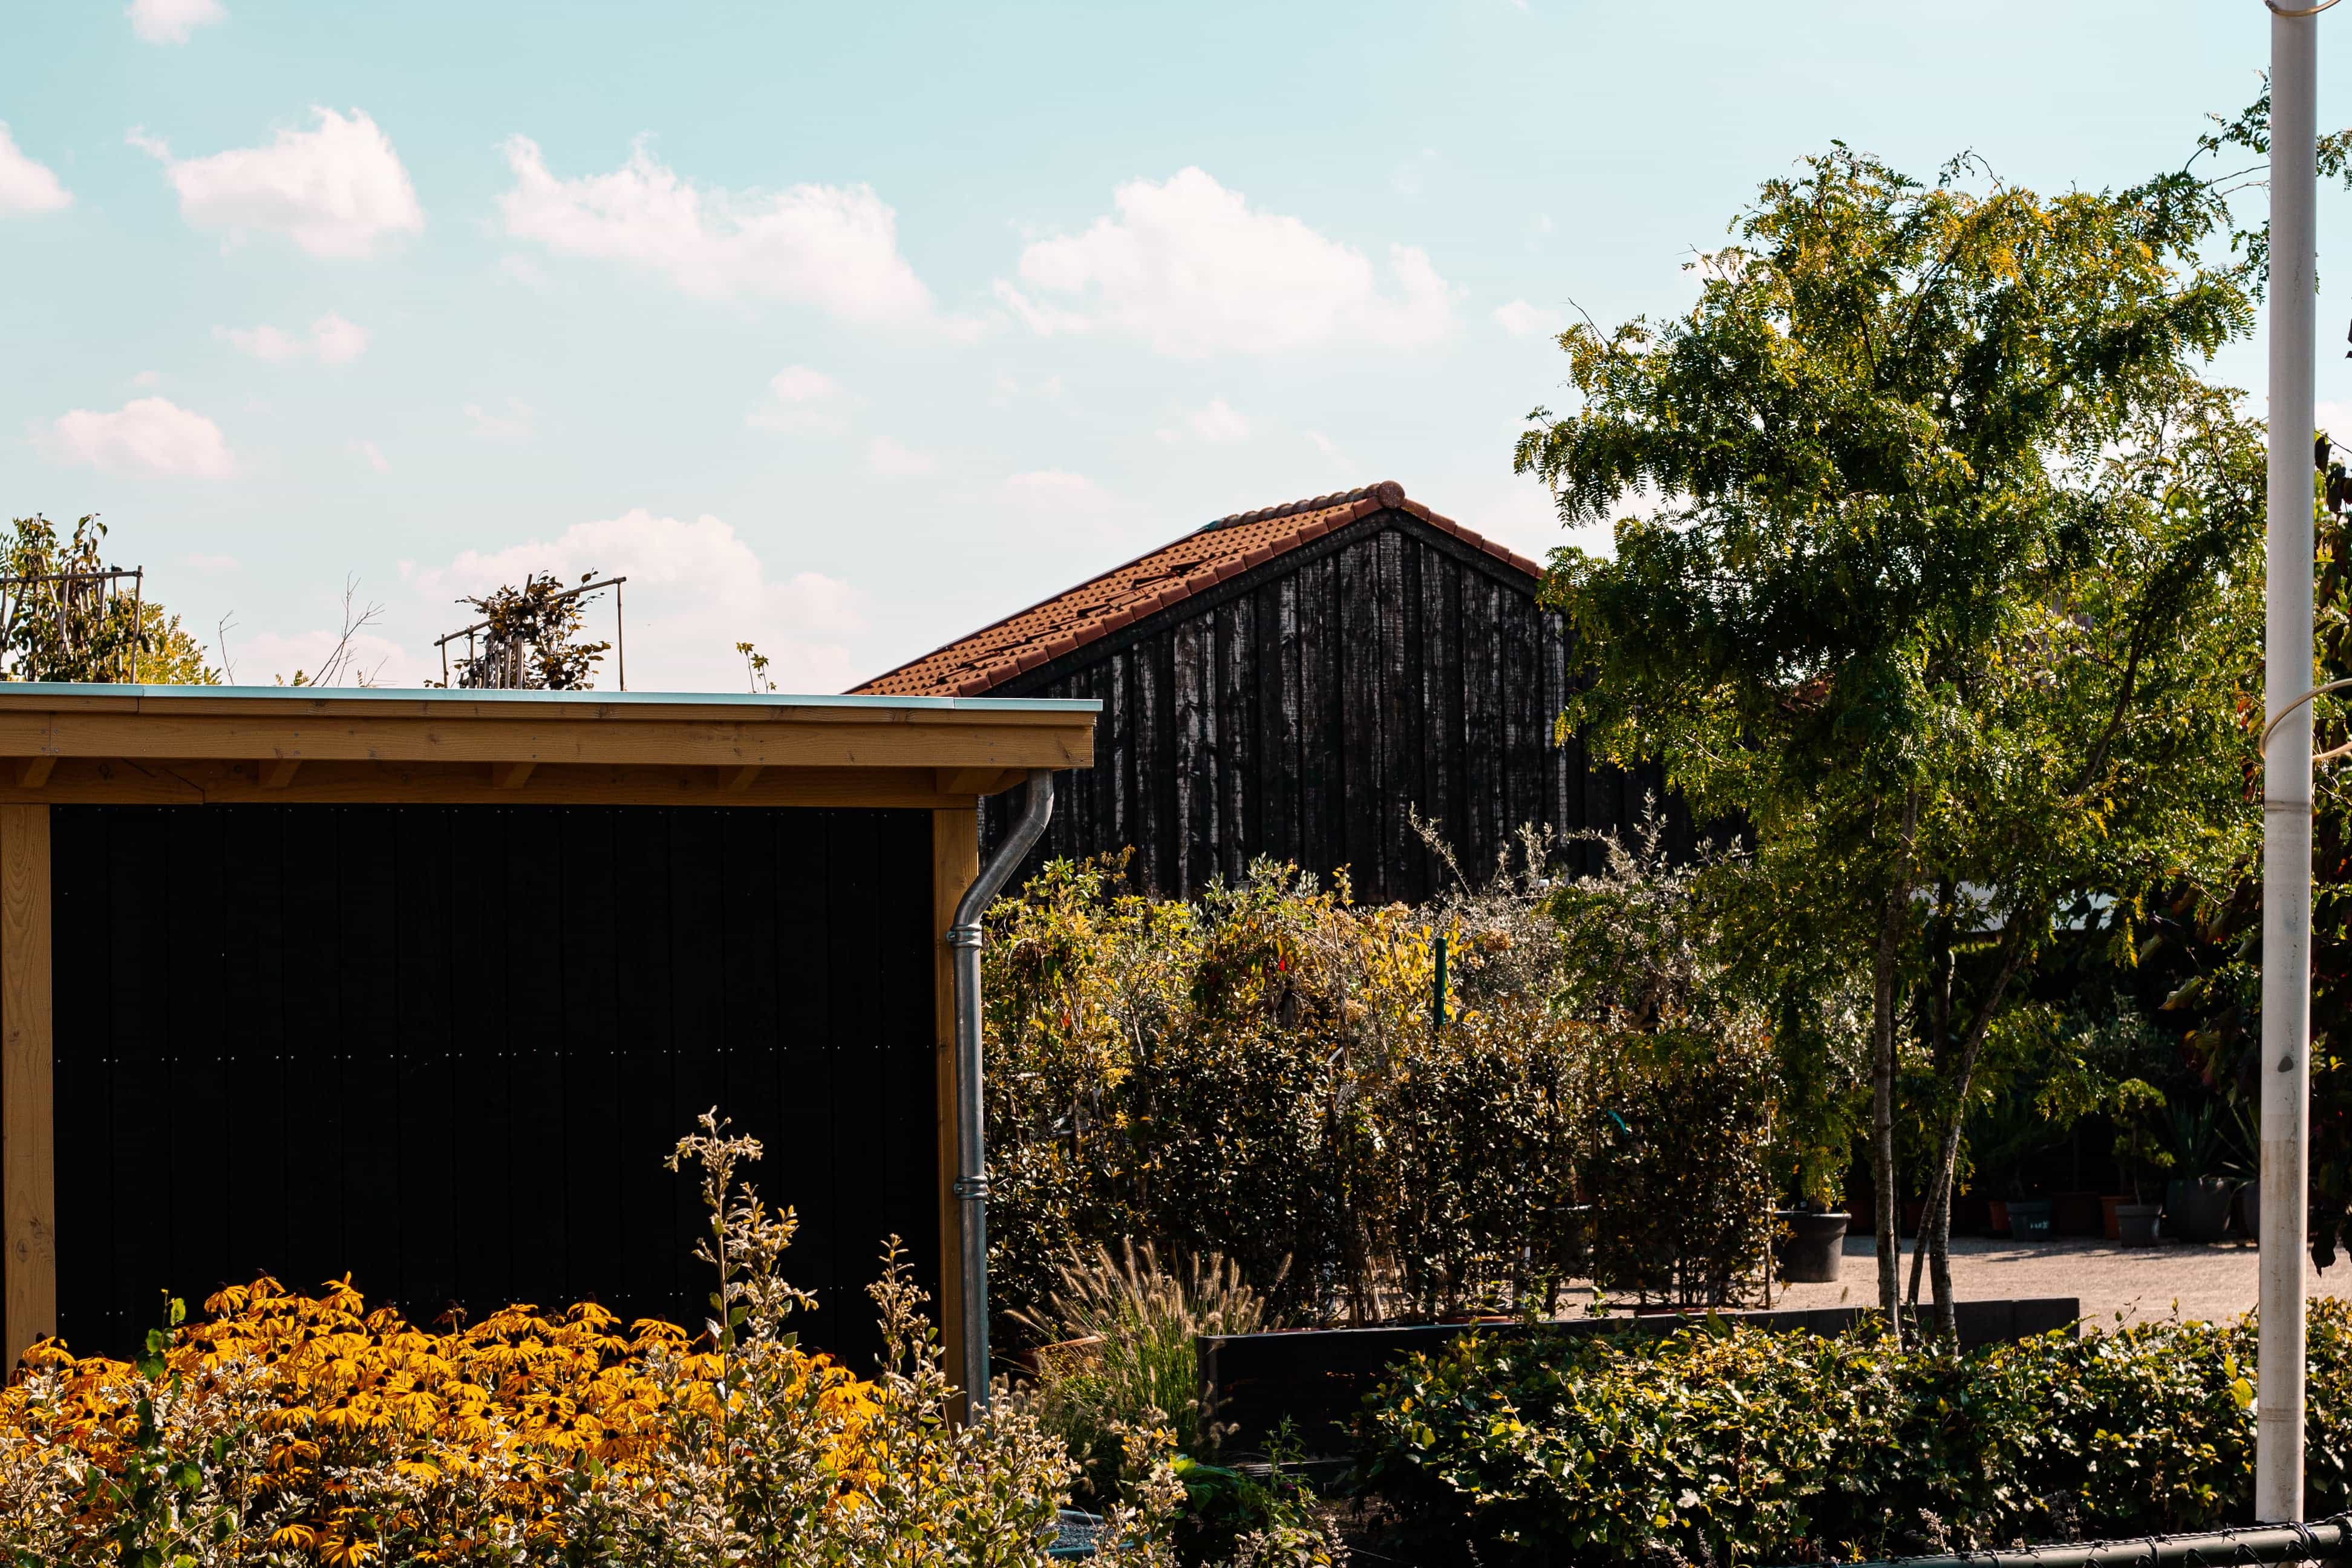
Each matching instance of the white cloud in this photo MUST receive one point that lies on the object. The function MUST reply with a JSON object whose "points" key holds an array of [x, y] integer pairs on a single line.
{"points": [[891, 460], [1007, 391], [333, 340], [511, 426], [334, 191], [171, 21], [336, 341], [1411, 177], [263, 342], [1192, 267], [150, 434], [373, 456], [148, 378], [1064, 511], [26, 186], [1057, 491], [803, 401], [1522, 320], [694, 590], [523, 270], [1218, 424], [382, 661], [834, 246]]}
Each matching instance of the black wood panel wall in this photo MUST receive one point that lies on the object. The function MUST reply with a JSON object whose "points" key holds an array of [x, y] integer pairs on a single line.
{"points": [[1305, 710], [447, 1048]]}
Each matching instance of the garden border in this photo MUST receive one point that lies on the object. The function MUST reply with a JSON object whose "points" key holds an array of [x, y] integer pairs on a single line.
{"points": [[1319, 1378]]}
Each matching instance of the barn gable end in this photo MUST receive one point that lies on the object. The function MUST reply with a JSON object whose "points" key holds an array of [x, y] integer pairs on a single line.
{"points": [[1296, 683]]}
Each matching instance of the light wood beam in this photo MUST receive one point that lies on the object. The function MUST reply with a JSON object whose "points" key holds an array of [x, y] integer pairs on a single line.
{"points": [[510, 775], [740, 779], [1019, 740], [33, 772], [118, 781], [28, 1245], [278, 772], [955, 864], [979, 780]]}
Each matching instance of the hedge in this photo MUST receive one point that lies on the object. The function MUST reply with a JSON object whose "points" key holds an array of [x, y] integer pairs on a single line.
{"points": [[1726, 1445]]}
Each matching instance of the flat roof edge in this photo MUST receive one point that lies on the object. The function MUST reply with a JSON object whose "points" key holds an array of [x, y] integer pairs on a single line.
{"points": [[36, 688]]}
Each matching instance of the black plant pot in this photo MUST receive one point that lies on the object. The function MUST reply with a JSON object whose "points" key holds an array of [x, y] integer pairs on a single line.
{"points": [[1814, 1249], [2197, 1208], [2135, 1224]]}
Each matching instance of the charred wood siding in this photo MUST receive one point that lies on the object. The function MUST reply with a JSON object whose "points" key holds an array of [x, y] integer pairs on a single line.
{"points": [[1306, 709], [446, 1047]]}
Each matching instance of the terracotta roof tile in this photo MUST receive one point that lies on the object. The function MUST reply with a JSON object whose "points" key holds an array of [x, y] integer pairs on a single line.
{"points": [[1043, 632]]}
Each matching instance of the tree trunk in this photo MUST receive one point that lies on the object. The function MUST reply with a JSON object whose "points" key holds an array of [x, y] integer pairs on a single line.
{"points": [[1936, 1225], [1882, 1028], [1941, 964]]}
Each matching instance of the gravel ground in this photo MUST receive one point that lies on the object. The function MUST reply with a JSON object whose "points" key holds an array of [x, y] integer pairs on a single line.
{"points": [[2138, 1282]]}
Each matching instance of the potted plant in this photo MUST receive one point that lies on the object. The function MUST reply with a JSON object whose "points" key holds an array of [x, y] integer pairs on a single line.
{"points": [[2029, 1219], [2204, 1182], [1811, 1243], [2245, 1138], [2141, 1151]]}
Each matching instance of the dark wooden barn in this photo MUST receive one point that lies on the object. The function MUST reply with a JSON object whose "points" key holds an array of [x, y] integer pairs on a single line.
{"points": [[1296, 682]]}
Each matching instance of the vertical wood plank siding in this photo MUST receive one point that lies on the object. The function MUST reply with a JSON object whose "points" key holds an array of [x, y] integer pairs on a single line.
{"points": [[1306, 710], [28, 1259], [447, 1048]]}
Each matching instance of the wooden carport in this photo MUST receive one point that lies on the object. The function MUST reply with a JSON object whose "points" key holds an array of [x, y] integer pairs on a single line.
{"points": [[75, 747]]}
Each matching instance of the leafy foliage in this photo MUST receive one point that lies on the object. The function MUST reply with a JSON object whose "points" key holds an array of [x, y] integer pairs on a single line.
{"points": [[755, 669], [62, 622], [1259, 1074], [1732, 1444], [1116, 1350], [290, 1429], [532, 638], [2210, 939], [1948, 555], [1684, 1219]]}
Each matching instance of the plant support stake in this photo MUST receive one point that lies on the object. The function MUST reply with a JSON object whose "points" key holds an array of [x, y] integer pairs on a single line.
{"points": [[2286, 765], [971, 1115]]}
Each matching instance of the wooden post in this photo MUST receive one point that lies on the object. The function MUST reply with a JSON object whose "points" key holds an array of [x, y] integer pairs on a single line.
{"points": [[29, 1255], [955, 865]]}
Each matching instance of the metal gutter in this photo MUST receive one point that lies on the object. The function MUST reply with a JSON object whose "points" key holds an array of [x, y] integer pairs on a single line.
{"points": [[971, 1121]]}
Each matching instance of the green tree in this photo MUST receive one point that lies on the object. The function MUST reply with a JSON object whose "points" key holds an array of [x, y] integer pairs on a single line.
{"points": [[1948, 556], [62, 619]]}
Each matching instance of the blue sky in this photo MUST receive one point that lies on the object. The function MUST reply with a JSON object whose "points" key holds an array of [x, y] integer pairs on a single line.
{"points": [[846, 330]]}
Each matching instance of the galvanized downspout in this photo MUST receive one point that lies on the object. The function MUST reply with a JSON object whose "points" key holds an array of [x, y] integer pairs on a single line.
{"points": [[972, 1115]]}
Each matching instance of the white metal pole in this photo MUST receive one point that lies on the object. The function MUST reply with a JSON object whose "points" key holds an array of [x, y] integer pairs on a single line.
{"points": [[2286, 768]]}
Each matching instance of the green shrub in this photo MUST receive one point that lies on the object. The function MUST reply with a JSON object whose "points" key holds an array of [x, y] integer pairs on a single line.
{"points": [[1274, 1521], [1683, 1217], [1723, 1444], [1258, 1073]]}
